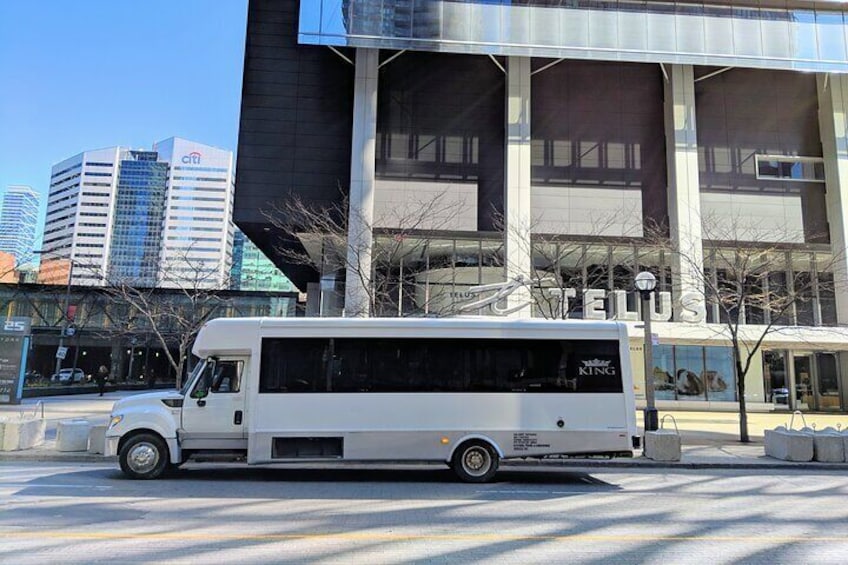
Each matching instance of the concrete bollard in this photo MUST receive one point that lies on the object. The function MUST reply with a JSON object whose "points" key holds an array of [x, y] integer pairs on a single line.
{"points": [[97, 439], [828, 446], [72, 435], [18, 434], [787, 444], [844, 434], [663, 444]]}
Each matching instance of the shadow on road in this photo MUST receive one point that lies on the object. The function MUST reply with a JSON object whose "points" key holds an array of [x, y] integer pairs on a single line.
{"points": [[238, 482]]}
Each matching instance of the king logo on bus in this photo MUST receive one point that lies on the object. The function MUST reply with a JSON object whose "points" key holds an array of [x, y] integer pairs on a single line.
{"points": [[596, 367]]}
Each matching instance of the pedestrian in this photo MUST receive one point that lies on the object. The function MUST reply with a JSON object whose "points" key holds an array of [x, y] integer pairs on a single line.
{"points": [[101, 377]]}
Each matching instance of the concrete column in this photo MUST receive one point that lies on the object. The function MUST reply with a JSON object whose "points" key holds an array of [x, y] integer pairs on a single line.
{"points": [[833, 128], [517, 182], [684, 197], [362, 174]]}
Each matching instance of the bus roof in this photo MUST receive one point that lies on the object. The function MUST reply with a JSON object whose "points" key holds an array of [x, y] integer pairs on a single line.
{"points": [[241, 336]]}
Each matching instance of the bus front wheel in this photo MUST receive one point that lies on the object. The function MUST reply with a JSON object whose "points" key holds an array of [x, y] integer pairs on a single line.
{"points": [[144, 456], [475, 461]]}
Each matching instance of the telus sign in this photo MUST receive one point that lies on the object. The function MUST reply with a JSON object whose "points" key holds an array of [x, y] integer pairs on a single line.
{"points": [[192, 158], [598, 304]]}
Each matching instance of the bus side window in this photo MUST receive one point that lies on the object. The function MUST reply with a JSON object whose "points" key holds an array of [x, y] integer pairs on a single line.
{"points": [[227, 377]]}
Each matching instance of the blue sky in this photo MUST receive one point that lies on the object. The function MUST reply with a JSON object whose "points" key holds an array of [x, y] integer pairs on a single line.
{"points": [[84, 74]]}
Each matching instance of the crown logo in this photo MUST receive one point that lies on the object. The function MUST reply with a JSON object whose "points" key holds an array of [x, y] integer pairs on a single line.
{"points": [[595, 363]]}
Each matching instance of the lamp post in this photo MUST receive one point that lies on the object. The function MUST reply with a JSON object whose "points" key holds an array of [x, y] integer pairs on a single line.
{"points": [[646, 283], [66, 307]]}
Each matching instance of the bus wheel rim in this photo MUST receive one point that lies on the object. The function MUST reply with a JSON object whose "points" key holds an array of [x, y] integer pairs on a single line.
{"points": [[143, 457], [476, 461]]}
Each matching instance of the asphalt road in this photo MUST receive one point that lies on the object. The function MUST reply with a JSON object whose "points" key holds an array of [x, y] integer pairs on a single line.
{"points": [[55, 513]]}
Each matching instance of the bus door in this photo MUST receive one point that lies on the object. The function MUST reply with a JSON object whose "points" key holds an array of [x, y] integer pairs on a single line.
{"points": [[213, 412]]}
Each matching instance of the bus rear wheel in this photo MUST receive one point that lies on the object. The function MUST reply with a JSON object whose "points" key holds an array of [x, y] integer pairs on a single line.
{"points": [[475, 461]]}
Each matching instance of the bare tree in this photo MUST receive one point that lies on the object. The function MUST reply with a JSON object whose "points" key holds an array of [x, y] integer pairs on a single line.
{"points": [[562, 266], [174, 318], [317, 237], [748, 287]]}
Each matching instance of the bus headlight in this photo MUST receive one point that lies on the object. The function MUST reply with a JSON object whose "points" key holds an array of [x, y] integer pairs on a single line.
{"points": [[116, 419]]}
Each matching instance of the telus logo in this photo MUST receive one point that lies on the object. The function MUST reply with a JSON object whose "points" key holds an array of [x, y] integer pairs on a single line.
{"points": [[192, 158], [595, 368]]}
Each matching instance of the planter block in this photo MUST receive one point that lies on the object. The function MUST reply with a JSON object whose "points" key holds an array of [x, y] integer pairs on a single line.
{"points": [[828, 446], [72, 435], [97, 439], [22, 434], [662, 445]]}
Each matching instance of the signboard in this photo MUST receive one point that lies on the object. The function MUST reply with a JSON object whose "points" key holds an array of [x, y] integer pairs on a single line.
{"points": [[61, 352], [14, 344]]}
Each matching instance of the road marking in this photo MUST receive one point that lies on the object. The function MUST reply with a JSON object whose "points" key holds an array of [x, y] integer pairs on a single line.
{"points": [[4, 484], [366, 536]]}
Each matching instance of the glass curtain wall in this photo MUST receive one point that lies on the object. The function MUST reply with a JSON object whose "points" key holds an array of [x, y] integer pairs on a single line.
{"points": [[767, 276]]}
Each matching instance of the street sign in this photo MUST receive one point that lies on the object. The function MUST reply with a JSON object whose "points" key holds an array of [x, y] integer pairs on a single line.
{"points": [[70, 330], [61, 352], [14, 344], [655, 339]]}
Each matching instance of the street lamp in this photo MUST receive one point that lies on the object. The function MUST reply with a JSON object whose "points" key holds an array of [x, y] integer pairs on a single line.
{"points": [[646, 283], [67, 304]]}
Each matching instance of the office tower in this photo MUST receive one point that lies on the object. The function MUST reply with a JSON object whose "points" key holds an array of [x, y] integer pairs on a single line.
{"points": [[141, 217], [570, 129], [18, 222]]}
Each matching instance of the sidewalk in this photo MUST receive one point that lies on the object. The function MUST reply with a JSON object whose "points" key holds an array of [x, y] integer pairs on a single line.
{"points": [[710, 439]]}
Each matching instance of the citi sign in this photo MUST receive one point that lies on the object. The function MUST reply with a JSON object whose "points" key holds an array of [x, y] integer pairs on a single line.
{"points": [[192, 158]]}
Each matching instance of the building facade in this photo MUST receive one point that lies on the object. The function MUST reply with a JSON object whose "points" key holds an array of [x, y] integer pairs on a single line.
{"points": [[560, 138], [18, 223], [148, 218], [253, 271]]}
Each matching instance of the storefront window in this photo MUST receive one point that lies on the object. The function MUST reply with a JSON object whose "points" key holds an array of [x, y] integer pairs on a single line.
{"points": [[663, 372], [719, 374], [689, 382]]}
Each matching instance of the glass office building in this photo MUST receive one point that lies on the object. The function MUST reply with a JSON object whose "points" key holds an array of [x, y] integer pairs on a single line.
{"points": [[253, 271], [559, 136], [138, 218], [18, 222], [160, 217]]}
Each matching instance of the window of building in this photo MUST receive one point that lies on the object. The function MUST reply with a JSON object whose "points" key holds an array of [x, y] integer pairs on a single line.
{"points": [[693, 372], [787, 168]]}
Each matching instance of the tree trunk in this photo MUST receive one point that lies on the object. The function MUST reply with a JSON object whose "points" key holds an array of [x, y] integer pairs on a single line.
{"points": [[740, 391]]}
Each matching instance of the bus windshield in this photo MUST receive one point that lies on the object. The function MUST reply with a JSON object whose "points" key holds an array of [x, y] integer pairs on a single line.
{"points": [[198, 369]]}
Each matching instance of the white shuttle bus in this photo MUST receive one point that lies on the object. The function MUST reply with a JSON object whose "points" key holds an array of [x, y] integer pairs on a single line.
{"points": [[465, 392]]}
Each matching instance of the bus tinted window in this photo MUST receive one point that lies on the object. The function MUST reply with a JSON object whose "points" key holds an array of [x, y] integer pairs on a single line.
{"points": [[293, 365], [439, 365]]}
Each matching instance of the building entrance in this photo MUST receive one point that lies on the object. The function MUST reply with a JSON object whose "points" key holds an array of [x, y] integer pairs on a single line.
{"points": [[816, 381]]}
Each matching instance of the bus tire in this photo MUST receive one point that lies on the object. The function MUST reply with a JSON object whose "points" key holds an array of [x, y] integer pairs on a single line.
{"points": [[144, 456], [475, 461]]}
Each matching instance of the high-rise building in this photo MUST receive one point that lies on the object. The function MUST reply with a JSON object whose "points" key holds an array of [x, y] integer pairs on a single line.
{"points": [[137, 218], [197, 232], [252, 270], [78, 225], [569, 130], [18, 222], [147, 218]]}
